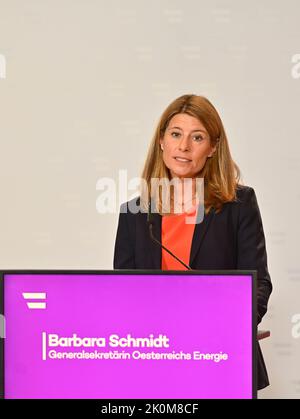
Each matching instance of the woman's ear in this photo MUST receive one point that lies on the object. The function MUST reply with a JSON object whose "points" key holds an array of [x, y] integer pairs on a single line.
{"points": [[161, 145], [212, 151]]}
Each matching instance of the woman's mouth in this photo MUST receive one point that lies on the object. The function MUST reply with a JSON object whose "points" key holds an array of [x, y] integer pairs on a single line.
{"points": [[182, 160]]}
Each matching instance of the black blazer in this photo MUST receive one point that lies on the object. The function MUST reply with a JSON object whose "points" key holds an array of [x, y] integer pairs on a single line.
{"points": [[231, 239]]}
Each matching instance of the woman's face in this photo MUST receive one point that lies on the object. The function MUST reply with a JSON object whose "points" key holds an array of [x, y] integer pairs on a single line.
{"points": [[186, 146]]}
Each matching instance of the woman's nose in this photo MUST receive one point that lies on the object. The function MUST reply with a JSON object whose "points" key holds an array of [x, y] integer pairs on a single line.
{"points": [[184, 143]]}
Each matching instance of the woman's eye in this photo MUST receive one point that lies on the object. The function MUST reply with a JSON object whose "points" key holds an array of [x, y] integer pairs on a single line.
{"points": [[175, 134], [198, 138]]}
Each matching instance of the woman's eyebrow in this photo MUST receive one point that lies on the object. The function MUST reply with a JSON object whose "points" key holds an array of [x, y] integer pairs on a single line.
{"points": [[195, 130]]}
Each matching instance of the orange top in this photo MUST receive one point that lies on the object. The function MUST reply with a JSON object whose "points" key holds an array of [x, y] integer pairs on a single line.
{"points": [[177, 236]]}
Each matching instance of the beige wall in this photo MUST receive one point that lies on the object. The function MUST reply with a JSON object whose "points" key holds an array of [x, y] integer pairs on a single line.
{"points": [[82, 84]]}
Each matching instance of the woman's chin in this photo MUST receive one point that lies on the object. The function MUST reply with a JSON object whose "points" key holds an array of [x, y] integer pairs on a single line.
{"points": [[182, 173]]}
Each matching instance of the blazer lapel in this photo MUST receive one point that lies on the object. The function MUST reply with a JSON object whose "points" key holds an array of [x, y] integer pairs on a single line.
{"points": [[199, 233], [155, 248]]}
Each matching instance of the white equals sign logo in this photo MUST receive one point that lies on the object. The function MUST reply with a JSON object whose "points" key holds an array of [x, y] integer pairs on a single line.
{"points": [[35, 296]]}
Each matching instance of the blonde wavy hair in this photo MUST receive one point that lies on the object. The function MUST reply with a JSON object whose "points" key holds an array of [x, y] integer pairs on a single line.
{"points": [[220, 173]]}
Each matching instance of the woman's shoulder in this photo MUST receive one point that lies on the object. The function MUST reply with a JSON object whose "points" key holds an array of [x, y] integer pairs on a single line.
{"points": [[132, 206], [245, 197], [243, 192]]}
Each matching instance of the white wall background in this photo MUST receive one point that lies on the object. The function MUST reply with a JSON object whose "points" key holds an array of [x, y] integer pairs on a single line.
{"points": [[82, 85]]}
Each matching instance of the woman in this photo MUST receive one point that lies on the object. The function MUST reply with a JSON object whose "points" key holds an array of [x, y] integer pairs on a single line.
{"points": [[190, 143]]}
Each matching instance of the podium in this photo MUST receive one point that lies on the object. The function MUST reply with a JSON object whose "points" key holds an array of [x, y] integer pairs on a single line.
{"points": [[129, 334]]}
